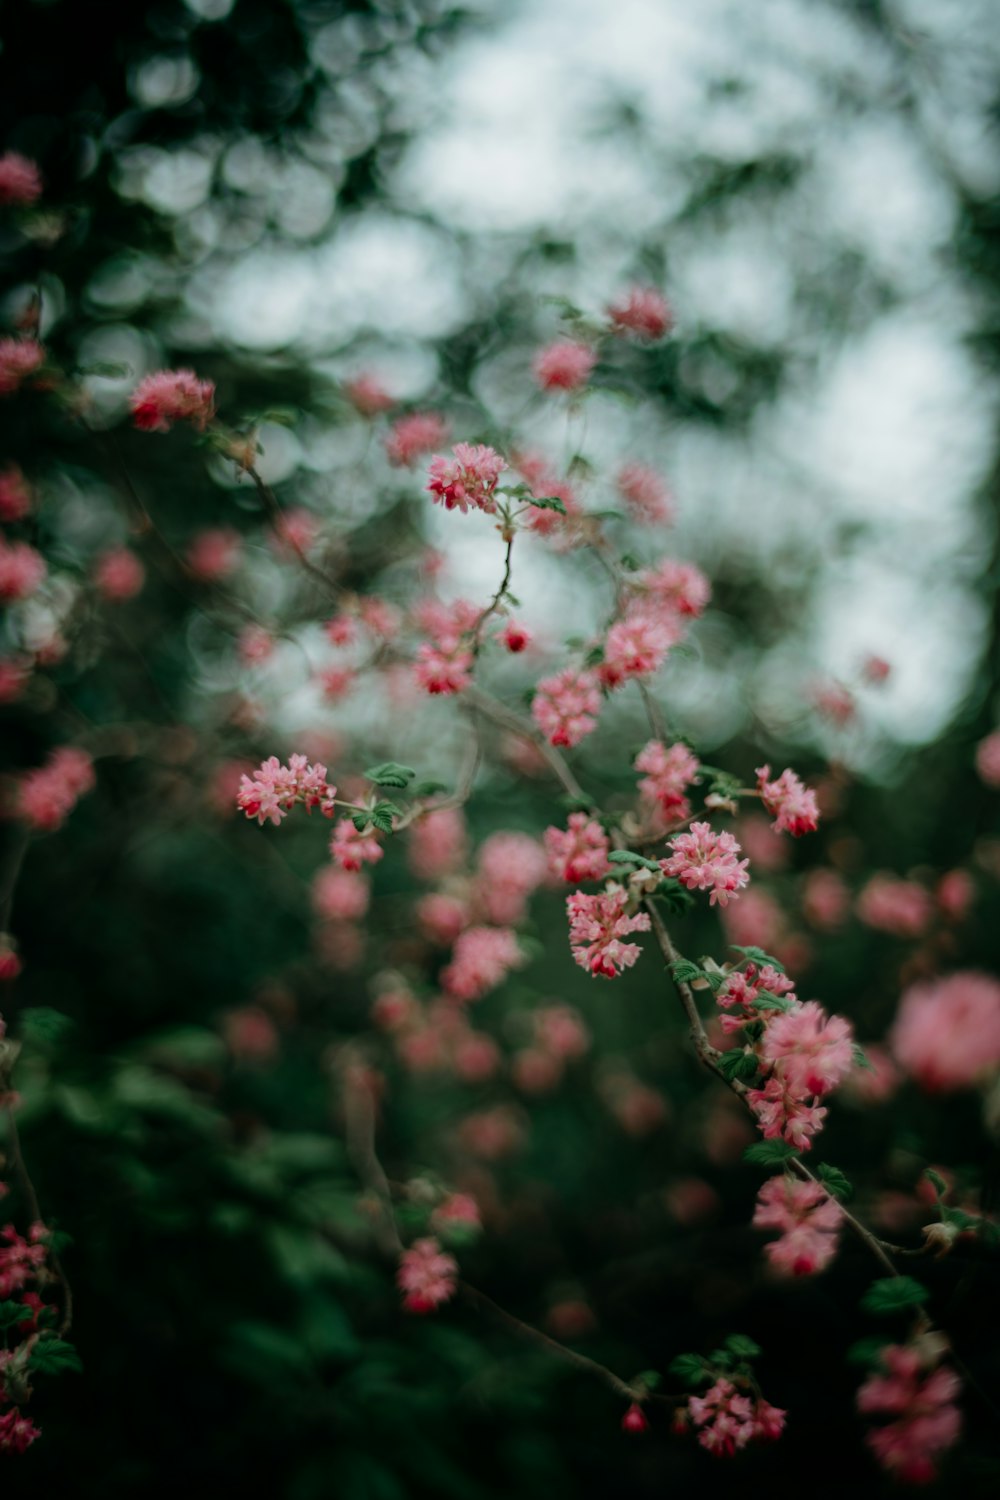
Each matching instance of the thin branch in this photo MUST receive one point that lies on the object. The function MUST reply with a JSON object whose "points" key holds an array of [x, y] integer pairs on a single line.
{"points": [[35, 1213], [492, 708], [277, 516]]}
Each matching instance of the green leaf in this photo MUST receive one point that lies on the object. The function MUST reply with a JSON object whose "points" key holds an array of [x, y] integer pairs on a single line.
{"points": [[765, 1001], [628, 562], [742, 1347], [758, 956], [769, 1153], [391, 774], [51, 1356], [936, 1180], [738, 1064], [42, 1026], [548, 502], [684, 971], [12, 1313], [834, 1181], [961, 1219], [867, 1351], [860, 1058], [649, 1378], [429, 788], [628, 857], [690, 1369], [894, 1294]]}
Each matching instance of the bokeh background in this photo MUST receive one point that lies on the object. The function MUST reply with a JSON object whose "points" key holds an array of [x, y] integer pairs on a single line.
{"points": [[285, 193]]}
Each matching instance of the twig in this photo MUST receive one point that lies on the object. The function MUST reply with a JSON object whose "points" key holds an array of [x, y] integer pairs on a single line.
{"points": [[492, 708], [278, 519], [35, 1213]]}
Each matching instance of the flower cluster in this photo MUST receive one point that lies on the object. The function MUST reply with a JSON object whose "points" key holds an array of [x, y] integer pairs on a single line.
{"points": [[19, 359], [20, 180], [725, 1419], [46, 796], [792, 805], [22, 569], [645, 494], [427, 1276], [669, 771], [351, 848], [412, 436], [597, 925], [917, 1394], [169, 396], [642, 311], [703, 860], [444, 663], [808, 1221], [558, 1036], [947, 1031], [566, 706], [564, 365], [482, 959], [274, 789], [580, 852], [469, 477]]}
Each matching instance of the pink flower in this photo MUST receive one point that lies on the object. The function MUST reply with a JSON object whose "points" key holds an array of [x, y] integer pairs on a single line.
{"points": [[118, 574], [781, 1111], [825, 900], [437, 843], [637, 646], [15, 494], [443, 672], [20, 180], [900, 907], [947, 1031], [703, 860], [918, 1395], [835, 702], [875, 669], [21, 571], [10, 966], [808, 1220], [563, 366], [561, 1031], [19, 358], [597, 925], [47, 796], [544, 481], [580, 852], [169, 396], [809, 1051], [20, 1258], [642, 311], [727, 1420], [669, 772], [493, 1133], [352, 849], [367, 394], [469, 477], [457, 1210], [792, 805], [442, 917], [645, 493], [274, 789], [988, 760], [510, 867], [214, 553], [679, 587], [427, 1276], [335, 682], [482, 959], [634, 1419], [515, 637], [16, 1433], [411, 436], [295, 531], [379, 617], [956, 893], [339, 895], [565, 707]]}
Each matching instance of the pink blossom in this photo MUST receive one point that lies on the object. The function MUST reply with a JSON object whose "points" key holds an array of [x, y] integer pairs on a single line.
{"points": [[15, 494], [10, 966], [946, 1033], [808, 1221], [515, 637], [255, 645], [442, 917], [20, 180], [669, 772], [563, 366], [544, 481], [342, 630], [118, 574], [367, 394], [335, 682], [792, 805], [274, 789], [597, 925], [809, 1051], [457, 1210], [169, 396], [352, 849], [918, 1395], [19, 358], [825, 900], [20, 1258], [510, 867], [676, 586], [22, 570], [16, 1432], [412, 436], [726, 1420], [469, 477], [634, 1419], [427, 1276], [645, 493], [876, 1082], [835, 702], [250, 1034], [437, 843], [379, 616], [46, 796], [561, 1031], [535, 1071], [757, 917], [565, 707], [482, 959], [900, 907], [875, 669], [636, 1108], [443, 672], [781, 1111], [637, 646], [476, 1056], [214, 553], [642, 311], [339, 895], [988, 760], [295, 531], [580, 852], [493, 1133], [956, 892], [703, 860]]}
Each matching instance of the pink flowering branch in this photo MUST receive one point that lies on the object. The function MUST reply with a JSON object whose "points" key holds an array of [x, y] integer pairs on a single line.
{"points": [[35, 1214]]}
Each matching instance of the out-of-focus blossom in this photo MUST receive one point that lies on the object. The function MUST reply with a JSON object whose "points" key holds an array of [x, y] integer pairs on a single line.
{"points": [[946, 1033], [118, 575], [564, 365], [20, 180], [642, 311], [169, 396], [412, 436]]}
